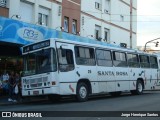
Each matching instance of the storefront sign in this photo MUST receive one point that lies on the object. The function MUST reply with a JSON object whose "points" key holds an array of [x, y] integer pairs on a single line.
{"points": [[30, 34], [18, 32]]}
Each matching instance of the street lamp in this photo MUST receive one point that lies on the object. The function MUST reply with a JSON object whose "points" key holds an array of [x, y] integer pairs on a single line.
{"points": [[78, 33], [152, 42], [90, 36], [17, 16], [59, 27]]}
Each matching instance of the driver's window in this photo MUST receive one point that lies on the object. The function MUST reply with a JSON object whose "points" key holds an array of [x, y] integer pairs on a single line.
{"points": [[66, 62]]}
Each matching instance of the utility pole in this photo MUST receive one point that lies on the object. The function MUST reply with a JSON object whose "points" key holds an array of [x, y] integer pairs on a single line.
{"points": [[131, 12]]}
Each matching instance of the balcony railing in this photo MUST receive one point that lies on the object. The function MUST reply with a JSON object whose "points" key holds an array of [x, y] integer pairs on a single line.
{"points": [[3, 3]]}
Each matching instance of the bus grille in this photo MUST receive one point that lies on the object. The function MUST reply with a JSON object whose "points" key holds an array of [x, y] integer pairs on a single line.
{"points": [[37, 82], [36, 85]]}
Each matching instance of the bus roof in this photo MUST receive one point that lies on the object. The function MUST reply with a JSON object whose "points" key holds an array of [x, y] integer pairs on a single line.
{"points": [[91, 42], [101, 45]]}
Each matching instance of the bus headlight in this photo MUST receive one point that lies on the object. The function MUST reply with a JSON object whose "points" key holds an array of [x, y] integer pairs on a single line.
{"points": [[53, 83]]}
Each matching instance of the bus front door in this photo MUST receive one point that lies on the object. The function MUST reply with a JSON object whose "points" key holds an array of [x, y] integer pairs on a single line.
{"points": [[66, 68]]}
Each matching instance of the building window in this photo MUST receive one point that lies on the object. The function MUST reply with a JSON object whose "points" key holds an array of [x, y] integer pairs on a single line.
{"points": [[43, 16], [98, 6], [83, 20], [106, 35], [3, 3], [66, 24], [42, 19], [74, 26], [107, 6], [26, 11], [98, 32]]}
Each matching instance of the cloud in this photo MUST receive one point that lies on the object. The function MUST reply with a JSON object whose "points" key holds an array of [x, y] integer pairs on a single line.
{"points": [[148, 7]]}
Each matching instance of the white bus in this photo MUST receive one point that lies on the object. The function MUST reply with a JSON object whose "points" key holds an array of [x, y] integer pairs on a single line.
{"points": [[58, 67]]}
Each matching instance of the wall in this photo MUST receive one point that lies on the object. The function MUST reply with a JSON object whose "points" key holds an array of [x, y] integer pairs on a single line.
{"points": [[71, 9], [4, 12], [53, 7], [119, 28]]}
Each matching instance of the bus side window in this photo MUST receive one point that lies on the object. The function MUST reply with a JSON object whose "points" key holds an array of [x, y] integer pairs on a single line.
{"points": [[85, 56], [144, 60], [153, 62], [133, 60], [119, 59], [104, 58], [66, 62]]}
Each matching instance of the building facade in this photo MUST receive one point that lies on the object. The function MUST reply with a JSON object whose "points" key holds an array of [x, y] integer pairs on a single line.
{"points": [[43, 13], [111, 21], [39, 12]]}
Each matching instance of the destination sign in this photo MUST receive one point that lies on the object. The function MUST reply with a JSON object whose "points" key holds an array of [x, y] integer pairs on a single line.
{"points": [[36, 46]]}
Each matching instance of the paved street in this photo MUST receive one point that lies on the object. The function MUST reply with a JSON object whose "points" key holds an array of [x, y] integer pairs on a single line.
{"points": [[149, 101]]}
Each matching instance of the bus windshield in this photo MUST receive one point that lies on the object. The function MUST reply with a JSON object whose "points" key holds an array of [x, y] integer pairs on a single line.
{"points": [[40, 62]]}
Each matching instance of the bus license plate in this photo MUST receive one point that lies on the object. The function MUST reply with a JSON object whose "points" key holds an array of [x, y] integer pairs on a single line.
{"points": [[35, 92]]}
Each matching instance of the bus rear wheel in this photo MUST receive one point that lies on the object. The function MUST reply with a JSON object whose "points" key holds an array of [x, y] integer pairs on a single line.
{"points": [[139, 88], [82, 92]]}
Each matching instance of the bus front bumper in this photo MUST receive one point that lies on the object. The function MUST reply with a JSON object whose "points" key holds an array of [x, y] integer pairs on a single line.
{"points": [[40, 91]]}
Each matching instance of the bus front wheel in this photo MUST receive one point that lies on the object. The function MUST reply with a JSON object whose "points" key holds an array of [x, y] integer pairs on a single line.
{"points": [[82, 92]]}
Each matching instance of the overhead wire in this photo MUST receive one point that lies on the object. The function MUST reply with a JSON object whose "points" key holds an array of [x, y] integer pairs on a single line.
{"points": [[125, 15]]}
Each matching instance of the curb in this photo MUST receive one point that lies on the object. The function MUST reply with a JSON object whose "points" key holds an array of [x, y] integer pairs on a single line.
{"points": [[20, 102], [153, 90]]}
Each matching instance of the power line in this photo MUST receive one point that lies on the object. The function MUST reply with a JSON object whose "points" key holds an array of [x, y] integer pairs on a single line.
{"points": [[101, 12], [111, 20]]}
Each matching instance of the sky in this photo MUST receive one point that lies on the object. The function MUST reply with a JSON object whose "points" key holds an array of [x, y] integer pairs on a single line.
{"points": [[148, 21]]}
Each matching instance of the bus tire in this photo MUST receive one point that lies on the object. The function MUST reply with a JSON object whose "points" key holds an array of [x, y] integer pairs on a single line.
{"points": [[115, 94], [139, 88], [82, 92], [54, 98]]}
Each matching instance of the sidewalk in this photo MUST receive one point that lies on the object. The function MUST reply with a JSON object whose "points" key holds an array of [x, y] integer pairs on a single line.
{"points": [[4, 100]]}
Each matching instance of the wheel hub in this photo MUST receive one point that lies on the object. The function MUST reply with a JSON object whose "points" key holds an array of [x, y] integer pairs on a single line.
{"points": [[140, 87], [83, 92]]}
